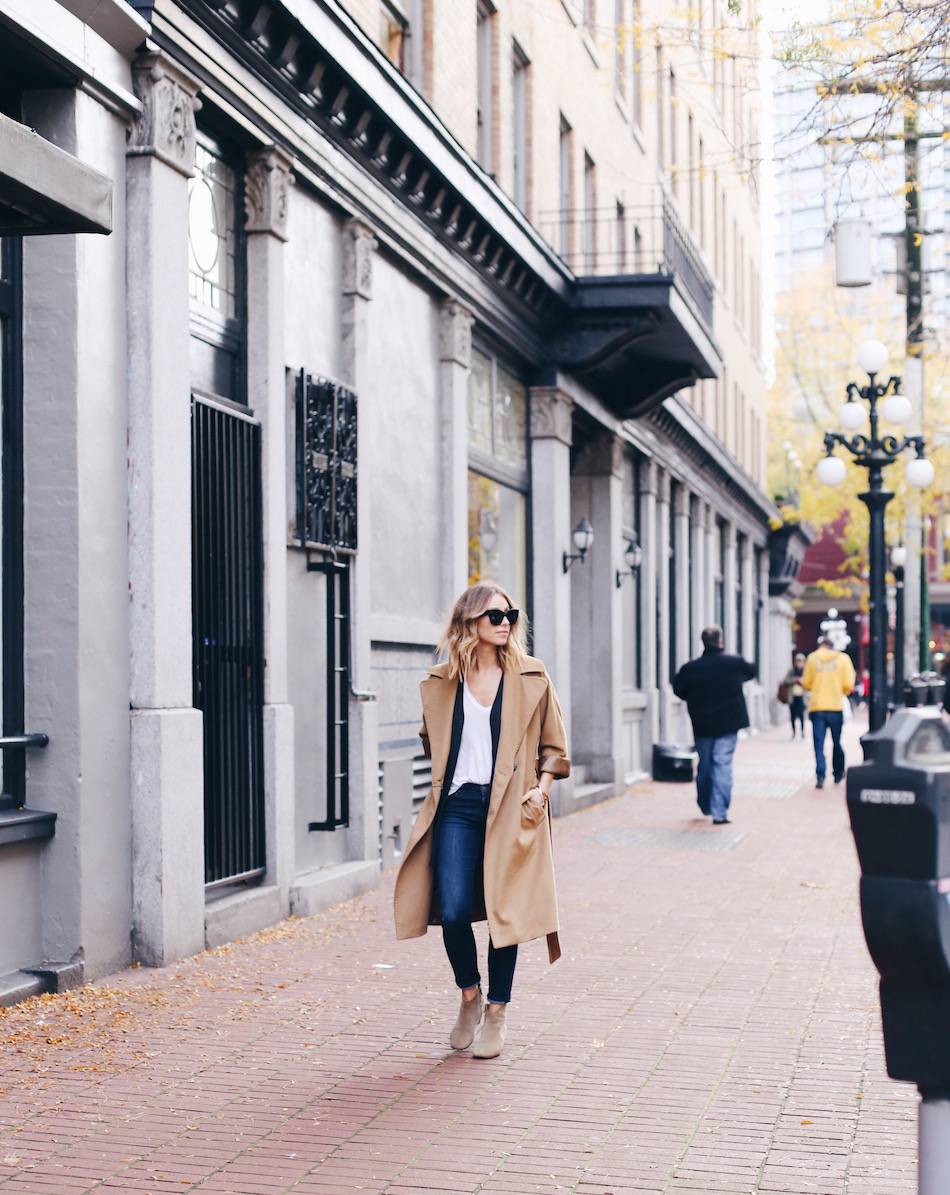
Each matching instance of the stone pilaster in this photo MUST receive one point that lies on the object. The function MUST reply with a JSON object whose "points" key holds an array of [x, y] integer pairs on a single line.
{"points": [[267, 184], [663, 581], [711, 562], [455, 362], [166, 731], [731, 582], [359, 246], [698, 587], [551, 416], [597, 616], [682, 597], [649, 569]]}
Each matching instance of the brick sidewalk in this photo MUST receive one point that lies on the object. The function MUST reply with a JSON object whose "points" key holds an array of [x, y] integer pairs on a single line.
{"points": [[712, 1027]]}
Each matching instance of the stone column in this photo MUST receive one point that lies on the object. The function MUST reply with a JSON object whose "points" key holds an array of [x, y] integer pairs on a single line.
{"points": [[596, 615], [267, 185], [166, 731], [683, 594], [698, 590], [747, 597], [731, 581], [455, 362], [359, 244], [711, 563], [551, 412], [649, 484], [663, 596]]}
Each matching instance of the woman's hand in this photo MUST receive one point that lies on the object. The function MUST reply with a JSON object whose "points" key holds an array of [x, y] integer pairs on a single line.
{"points": [[536, 788]]}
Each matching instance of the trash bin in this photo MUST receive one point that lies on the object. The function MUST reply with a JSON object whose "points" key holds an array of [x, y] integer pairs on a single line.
{"points": [[899, 806], [673, 762]]}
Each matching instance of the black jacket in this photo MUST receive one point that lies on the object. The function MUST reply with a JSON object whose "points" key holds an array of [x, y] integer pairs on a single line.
{"points": [[711, 686]]}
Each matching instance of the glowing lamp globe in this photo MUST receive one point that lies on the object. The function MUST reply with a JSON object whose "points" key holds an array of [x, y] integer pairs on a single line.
{"points": [[920, 473], [831, 470], [851, 415], [896, 408], [898, 556], [872, 356]]}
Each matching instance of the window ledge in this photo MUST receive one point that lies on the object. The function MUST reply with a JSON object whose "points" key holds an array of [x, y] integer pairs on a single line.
{"points": [[20, 825]]}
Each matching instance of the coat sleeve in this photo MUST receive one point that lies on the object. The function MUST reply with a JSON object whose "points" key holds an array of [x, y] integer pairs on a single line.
{"points": [[749, 670], [552, 748], [679, 684]]}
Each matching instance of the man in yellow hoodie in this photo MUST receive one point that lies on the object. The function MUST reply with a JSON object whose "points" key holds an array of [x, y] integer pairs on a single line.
{"points": [[829, 677]]}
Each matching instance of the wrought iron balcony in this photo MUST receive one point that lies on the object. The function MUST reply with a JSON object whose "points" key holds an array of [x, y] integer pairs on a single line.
{"points": [[640, 325], [639, 242]]}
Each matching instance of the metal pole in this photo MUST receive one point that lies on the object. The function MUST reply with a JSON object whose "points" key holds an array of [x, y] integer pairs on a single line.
{"points": [[898, 634], [933, 1143], [876, 499], [924, 594]]}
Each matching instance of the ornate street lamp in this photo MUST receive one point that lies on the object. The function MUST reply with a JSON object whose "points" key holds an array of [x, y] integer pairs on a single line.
{"points": [[632, 558], [583, 537], [873, 452]]}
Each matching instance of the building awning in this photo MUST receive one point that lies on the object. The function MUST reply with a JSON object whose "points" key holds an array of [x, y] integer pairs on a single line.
{"points": [[635, 340], [44, 190]]}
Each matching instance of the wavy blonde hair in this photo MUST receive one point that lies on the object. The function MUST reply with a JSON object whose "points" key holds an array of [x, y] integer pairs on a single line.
{"points": [[460, 637]]}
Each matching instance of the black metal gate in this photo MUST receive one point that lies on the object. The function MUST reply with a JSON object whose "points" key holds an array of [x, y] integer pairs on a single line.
{"points": [[227, 605]]}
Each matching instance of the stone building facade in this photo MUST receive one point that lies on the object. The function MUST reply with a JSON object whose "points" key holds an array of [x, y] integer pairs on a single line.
{"points": [[350, 305]]}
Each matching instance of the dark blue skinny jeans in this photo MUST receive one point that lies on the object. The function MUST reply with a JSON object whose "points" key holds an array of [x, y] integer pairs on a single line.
{"points": [[458, 869]]}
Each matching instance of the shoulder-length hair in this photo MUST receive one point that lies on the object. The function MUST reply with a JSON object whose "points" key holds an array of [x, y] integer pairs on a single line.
{"points": [[460, 637]]}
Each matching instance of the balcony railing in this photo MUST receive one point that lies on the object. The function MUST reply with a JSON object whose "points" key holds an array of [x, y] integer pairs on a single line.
{"points": [[631, 241]]}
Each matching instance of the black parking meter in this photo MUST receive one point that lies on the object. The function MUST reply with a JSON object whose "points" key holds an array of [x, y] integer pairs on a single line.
{"points": [[899, 805]]}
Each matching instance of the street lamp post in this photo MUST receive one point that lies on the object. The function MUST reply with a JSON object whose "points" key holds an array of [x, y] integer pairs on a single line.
{"points": [[898, 560], [874, 452]]}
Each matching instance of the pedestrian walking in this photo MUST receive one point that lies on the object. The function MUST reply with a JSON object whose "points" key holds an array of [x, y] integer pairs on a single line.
{"points": [[481, 847], [711, 686], [829, 678], [796, 693]]}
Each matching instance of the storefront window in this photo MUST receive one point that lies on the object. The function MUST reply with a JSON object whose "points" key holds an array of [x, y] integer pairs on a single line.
{"points": [[496, 535], [498, 476]]}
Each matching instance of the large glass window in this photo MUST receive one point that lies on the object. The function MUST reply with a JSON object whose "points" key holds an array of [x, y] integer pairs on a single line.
{"points": [[498, 476], [216, 272], [675, 547], [740, 602], [486, 83], [631, 587], [719, 563], [519, 126]]}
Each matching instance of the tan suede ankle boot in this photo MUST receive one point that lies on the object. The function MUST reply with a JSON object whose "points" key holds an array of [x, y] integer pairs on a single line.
{"points": [[491, 1036], [463, 1031]]}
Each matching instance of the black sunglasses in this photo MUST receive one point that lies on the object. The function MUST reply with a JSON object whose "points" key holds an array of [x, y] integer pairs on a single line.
{"points": [[496, 617]]}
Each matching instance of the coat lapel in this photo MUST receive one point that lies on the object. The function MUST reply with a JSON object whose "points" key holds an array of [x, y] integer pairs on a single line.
{"points": [[438, 702]]}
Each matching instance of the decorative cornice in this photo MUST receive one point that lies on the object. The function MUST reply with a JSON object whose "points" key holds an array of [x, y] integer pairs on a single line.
{"points": [[165, 128], [286, 55], [551, 415], [359, 244], [267, 182], [455, 333]]}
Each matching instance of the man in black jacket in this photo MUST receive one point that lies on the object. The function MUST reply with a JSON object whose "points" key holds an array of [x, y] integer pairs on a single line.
{"points": [[711, 686]]}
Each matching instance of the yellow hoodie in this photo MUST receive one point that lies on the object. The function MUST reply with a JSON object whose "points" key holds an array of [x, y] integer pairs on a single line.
{"points": [[829, 676]]}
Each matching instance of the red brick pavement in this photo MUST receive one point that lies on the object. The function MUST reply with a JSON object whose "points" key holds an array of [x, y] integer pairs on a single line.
{"points": [[712, 1027]]}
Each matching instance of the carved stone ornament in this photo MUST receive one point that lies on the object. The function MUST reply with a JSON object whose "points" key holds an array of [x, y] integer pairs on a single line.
{"points": [[165, 127], [455, 334], [602, 456], [359, 245], [551, 411], [267, 183]]}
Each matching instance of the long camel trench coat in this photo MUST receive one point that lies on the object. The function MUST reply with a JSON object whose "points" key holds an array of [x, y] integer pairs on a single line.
{"points": [[520, 898]]}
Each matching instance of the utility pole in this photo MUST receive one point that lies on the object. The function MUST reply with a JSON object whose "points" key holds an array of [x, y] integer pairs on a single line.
{"points": [[914, 368]]}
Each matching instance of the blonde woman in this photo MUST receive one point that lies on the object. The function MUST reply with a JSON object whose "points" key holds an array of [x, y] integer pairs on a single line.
{"points": [[481, 846]]}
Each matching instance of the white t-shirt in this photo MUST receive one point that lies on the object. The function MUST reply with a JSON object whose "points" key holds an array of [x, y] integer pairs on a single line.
{"points": [[474, 763]]}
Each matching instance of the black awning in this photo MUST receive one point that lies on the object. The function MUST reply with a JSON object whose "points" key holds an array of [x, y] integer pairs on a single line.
{"points": [[635, 340], [44, 190]]}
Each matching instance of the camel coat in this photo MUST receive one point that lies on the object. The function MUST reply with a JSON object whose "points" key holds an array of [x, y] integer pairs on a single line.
{"points": [[520, 900]]}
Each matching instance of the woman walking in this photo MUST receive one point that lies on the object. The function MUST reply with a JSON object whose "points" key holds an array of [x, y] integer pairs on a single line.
{"points": [[796, 693], [481, 846]]}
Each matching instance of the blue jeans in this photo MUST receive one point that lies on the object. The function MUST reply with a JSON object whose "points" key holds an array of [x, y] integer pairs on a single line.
{"points": [[714, 774], [458, 869], [822, 721]]}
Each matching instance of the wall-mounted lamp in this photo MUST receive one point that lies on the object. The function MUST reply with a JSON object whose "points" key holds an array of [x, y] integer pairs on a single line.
{"points": [[632, 558], [583, 536]]}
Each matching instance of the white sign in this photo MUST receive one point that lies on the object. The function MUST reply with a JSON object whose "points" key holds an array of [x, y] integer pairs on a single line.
{"points": [[887, 796]]}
